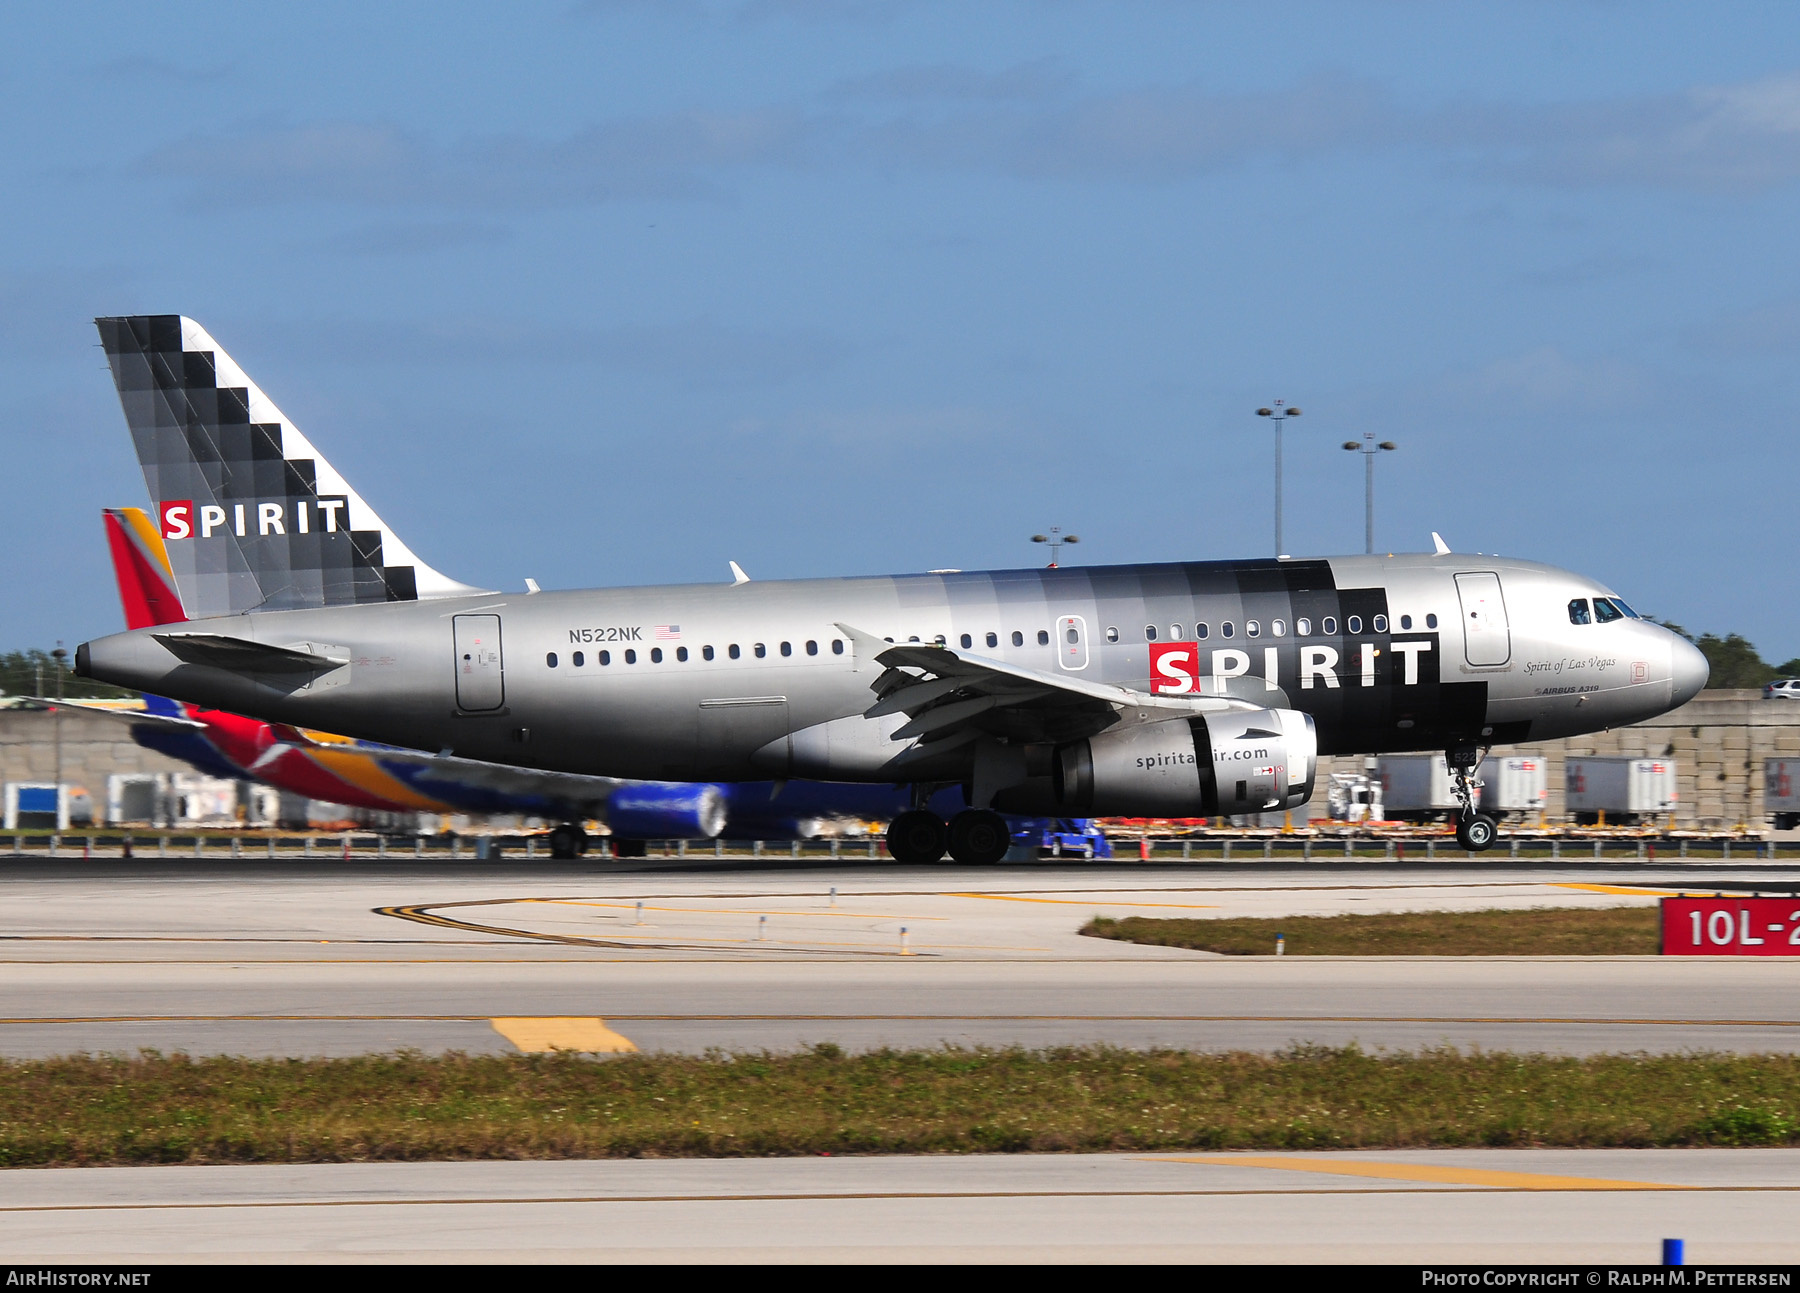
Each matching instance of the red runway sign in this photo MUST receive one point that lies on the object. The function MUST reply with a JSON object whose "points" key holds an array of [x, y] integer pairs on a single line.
{"points": [[1731, 926]]}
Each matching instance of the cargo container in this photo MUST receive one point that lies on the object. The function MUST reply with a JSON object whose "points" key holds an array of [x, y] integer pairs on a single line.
{"points": [[1416, 787], [1781, 792], [1626, 790], [1514, 785]]}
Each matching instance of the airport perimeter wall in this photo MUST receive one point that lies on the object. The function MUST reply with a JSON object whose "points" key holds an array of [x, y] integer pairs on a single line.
{"points": [[93, 748], [1718, 742]]}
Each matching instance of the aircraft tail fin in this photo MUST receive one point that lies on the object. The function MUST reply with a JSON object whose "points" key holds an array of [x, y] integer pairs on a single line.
{"points": [[253, 518], [141, 565]]}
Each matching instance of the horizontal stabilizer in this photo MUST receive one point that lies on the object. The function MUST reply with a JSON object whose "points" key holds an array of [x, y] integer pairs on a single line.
{"points": [[242, 656]]}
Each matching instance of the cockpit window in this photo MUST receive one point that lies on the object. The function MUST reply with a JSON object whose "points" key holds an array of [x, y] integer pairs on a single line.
{"points": [[1629, 613], [1605, 612], [1578, 611]]}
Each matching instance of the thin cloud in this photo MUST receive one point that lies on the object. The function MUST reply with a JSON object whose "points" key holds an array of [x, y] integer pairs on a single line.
{"points": [[700, 351], [1024, 122]]}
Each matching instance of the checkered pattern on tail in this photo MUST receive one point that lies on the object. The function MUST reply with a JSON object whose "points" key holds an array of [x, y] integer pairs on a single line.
{"points": [[269, 524]]}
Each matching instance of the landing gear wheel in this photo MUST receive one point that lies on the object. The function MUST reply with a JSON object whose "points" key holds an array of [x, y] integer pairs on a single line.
{"points": [[979, 837], [568, 842], [1477, 833], [917, 837]]}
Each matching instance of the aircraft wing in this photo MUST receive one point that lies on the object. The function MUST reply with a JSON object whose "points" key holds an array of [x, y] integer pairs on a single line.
{"points": [[478, 786], [953, 697], [135, 717]]}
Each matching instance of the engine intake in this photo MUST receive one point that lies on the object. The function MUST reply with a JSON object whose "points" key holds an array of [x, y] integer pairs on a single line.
{"points": [[1238, 761]]}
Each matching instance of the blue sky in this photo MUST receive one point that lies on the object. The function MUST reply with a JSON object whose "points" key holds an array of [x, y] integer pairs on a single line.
{"points": [[615, 292]]}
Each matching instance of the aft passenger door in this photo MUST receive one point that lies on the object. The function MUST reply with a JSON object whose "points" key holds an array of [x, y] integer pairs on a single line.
{"points": [[1487, 637], [480, 671]]}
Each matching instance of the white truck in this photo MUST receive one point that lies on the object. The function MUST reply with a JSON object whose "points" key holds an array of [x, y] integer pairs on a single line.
{"points": [[1416, 787], [1626, 790], [1781, 792]]}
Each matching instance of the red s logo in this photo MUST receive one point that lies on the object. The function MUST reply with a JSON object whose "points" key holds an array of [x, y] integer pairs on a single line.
{"points": [[178, 519], [1175, 668]]}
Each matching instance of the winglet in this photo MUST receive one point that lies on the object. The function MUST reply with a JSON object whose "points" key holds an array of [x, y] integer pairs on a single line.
{"points": [[1437, 542], [531, 586], [737, 573]]}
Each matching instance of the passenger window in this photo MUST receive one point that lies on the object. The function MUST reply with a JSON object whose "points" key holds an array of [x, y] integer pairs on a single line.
{"points": [[1431, 620], [1328, 626], [1200, 632], [787, 648], [1149, 632], [837, 646], [655, 655], [733, 651], [1302, 628], [1277, 628], [706, 653], [1381, 624], [993, 639], [1018, 638], [1112, 635], [1226, 630], [1578, 611], [605, 657], [1252, 629], [630, 656], [1605, 612], [578, 659], [1043, 637], [1405, 622], [1353, 624], [967, 641], [551, 659], [760, 650], [1073, 636], [1175, 632], [681, 654], [812, 648]]}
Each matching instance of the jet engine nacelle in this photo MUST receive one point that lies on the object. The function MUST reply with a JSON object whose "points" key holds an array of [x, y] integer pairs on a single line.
{"points": [[1238, 761], [661, 810]]}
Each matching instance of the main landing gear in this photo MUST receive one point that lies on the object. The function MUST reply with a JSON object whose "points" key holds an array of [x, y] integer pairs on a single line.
{"points": [[568, 841], [1475, 831], [974, 837]]}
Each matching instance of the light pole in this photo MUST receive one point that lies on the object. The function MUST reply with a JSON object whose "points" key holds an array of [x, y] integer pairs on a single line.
{"points": [[59, 655], [1056, 538], [1368, 449], [1279, 414]]}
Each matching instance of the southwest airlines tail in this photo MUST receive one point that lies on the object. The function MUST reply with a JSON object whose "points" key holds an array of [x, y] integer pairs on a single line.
{"points": [[141, 565], [253, 518]]}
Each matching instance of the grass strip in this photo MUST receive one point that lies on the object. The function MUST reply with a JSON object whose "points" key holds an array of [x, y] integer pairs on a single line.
{"points": [[1539, 931], [174, 1109]]}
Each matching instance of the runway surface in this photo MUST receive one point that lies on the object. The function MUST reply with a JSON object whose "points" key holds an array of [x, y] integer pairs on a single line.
{"points": [[291, 958], [1467, 1206]]}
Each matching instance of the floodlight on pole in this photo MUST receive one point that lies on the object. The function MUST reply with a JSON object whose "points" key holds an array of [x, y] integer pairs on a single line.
{"points": [[1056, 538], [1369, 448], [1279, 414]]}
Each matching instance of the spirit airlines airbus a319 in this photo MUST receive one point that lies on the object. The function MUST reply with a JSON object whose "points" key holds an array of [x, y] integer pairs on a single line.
{"points": [[1177, 689]]}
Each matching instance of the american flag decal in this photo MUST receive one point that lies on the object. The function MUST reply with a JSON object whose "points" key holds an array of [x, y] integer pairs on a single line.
{"points": [[668, 632]]}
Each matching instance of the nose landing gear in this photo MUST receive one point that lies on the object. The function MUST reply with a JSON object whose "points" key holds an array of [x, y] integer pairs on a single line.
{"points": [[1475, 831]]}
